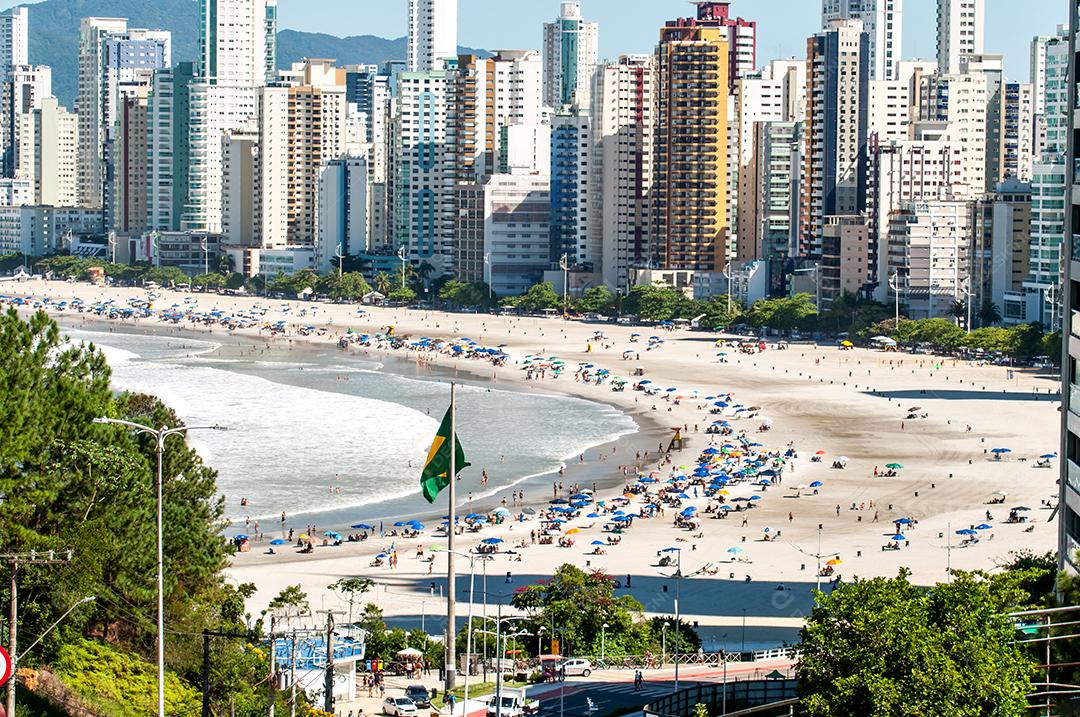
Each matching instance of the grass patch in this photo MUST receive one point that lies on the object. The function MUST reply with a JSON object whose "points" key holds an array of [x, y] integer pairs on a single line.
{"points": [[480, 689]]}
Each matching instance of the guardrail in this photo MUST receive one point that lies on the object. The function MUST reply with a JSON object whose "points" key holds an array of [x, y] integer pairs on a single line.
{"points": [[654, 662], [738, 694]]}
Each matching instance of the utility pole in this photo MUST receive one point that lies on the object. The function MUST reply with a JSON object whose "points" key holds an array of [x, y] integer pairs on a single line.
{"points": [[328, 682], [271, 682], [564, 264], [15, 560], [292, 675]]}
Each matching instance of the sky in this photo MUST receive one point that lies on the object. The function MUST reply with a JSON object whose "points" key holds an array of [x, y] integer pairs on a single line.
{"points": [[632, 26]]}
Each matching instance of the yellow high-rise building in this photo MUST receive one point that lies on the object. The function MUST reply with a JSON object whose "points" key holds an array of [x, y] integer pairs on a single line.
{"points": [[691, 148]]}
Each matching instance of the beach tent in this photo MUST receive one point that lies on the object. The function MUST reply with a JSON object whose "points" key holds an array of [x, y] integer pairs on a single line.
{"points": [[373, 298]]}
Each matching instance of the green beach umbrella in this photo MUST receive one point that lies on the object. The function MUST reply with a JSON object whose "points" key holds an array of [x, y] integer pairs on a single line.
{"points": [[893, 466]]}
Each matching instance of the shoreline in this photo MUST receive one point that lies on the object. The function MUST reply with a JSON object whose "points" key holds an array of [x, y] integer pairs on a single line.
{"points": [[605, 478], [819, 398]]}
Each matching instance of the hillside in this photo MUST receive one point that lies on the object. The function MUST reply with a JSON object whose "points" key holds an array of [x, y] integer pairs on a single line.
{"points": [[54, 37]]}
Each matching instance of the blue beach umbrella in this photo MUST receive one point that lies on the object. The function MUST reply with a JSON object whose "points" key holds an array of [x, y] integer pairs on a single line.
{"points": [[277, 541], [999, 451], [491, 541], [965, 531], [593, 515], [984, 526], [362, 526], [816, 484], [899, 537], [598, 542]]}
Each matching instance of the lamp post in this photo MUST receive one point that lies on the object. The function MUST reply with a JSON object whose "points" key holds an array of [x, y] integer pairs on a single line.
{"points": [[678, 589], [663, 643], [468, 630], [894, 284], [205, 254], [539, 632], [727, 275], [500, 649], [564, 264], [159, 435], [403, 255], [603, 640], [340, 256]]}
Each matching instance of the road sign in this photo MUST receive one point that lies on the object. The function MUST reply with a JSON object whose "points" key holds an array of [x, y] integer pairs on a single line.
{"points": [[5, 666]]}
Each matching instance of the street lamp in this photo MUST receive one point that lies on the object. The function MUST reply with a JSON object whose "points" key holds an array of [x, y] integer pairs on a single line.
{"points": [[539, 632], [603, 640], [340, 256], [663, 643], [500, 649], [894, 284], [468, 630], [159, 435], [678, 589], [728, 275], [403, 255], [564, 264]]}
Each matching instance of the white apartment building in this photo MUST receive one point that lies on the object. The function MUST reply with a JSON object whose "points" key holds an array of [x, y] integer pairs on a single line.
{"points": [[516, 212], [14, 40], [894, 104], [954, 108], [1045, 251], [929, 245], [22, 92], [92, 32], [254, 183], [883, 21], [571, 52], [237, 40], [432, 35], [960, 32], [48, 156], [624, 101], [575, 203], [215, 110]]}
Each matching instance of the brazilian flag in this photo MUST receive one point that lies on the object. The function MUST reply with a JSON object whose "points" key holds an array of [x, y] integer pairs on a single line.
{"points": [[437, 467]]}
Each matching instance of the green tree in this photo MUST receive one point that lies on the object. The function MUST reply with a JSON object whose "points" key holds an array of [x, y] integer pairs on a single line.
{"points": [[540, 297], [464, 293], [384, 283], [350, 286], [989, 314], [885, 647], [991, 338], [784, 314], [213, 280], [405, 296], [654, 303], [352, 588], [596, 300]]}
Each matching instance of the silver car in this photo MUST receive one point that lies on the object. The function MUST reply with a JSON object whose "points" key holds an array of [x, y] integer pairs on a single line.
{"points": [[399, 707]]}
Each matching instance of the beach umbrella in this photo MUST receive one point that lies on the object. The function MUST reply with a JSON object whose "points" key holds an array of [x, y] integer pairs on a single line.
{"points": [[622, 519], [999, 451], [573, 531], [898, 537], [903, 521], [553, 532], [1021, 509], [754, 498], [816, 484], [767, 530], [820, 453], [501, 511], [558, 501], [711, 452], [835, 561], [491, 541], [581, 496], [593, 515], [529, 511], [362, 526], [842, 459], [984, 526], [734, 551], [381, 556], [598, 542], [893, 466], [241, 537], [965, 531], [1048, 455], [416, 525], [726, 507], [402, 524]]}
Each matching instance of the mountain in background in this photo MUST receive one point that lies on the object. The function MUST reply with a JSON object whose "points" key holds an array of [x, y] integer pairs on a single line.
{"points": [[54, 37]]}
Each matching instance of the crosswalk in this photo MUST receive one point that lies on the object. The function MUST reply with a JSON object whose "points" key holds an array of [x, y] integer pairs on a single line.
{"points": [[603, 695]]}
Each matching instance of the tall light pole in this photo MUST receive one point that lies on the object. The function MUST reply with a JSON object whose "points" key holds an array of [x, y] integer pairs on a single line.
{"points": [[564, 264], [403, 255], [159, 435], [663, 643], [678, 589], [539, 645], [727, 275], [205, 254], [894, 284], [603, 640], [340, 256], [468, 630], [965, 289]]}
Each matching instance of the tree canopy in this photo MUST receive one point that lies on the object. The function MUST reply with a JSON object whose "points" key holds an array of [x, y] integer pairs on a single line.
{"points": [[885, 647]]}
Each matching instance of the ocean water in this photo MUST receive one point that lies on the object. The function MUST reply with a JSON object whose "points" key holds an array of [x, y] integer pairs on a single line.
{"points": [[333, 438]]}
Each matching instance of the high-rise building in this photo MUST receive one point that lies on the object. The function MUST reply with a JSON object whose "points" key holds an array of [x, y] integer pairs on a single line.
{"points": [[846, 266], [1048, 200], [1068, 524], [255, 163], [237, 41], [421, 197], [954, 108], [883, 21], [23, 91], [316, 128], [14, 40], [690, 220], [571, 51], [128, 161], [960, 32], [837, 116], [1000, 252], [114, 62], [515, 232], [574, 222], [624, 101], [343, 211], [929, 244], [894, 104], [769, 195], [432, 34], [1017, 128], [775, 95], [48, 153], [168, 146]]}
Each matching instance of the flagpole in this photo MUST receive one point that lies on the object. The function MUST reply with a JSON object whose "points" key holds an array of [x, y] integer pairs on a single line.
{"points": [[451, 575]]}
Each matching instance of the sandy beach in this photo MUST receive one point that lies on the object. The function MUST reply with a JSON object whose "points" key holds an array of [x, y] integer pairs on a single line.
{"points": [[852, 403]]}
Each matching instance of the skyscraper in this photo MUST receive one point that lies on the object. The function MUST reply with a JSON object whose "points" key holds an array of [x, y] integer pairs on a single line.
{"points": [[883, 21], [114, 62], [1068, 485], [237, 41], [571, 50], [13, 40], [960, 32], [691, 222], [432, 34], [625, 133], [837, 115]]}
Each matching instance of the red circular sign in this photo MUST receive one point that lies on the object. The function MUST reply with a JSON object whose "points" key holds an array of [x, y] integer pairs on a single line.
{"points": [[5, 666]]}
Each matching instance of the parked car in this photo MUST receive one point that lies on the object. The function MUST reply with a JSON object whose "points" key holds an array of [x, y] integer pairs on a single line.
{"points": [[576, 666], [419, 695], [399, 707]]}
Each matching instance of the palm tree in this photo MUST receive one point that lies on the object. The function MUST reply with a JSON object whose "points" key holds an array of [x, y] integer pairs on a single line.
{"points": [[989, 314], [958, 311], [384, 284]]}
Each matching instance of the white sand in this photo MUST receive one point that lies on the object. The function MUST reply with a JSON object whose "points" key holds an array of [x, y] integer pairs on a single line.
{"points": [[816, 396]]}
